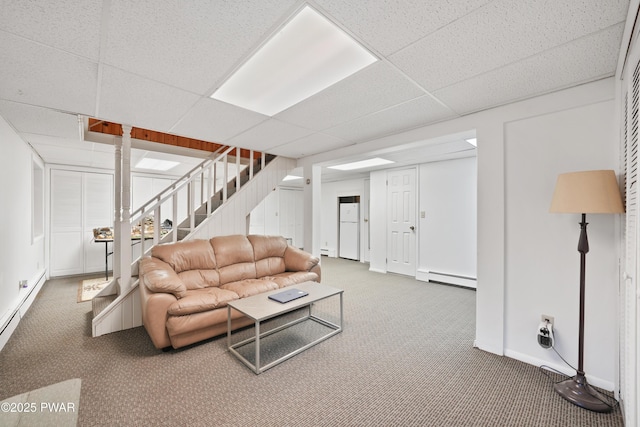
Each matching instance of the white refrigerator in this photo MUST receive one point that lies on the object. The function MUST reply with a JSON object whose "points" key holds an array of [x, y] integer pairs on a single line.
{"points": [[349, 231]]}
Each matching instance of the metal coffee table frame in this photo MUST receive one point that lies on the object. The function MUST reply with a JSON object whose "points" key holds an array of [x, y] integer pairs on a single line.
{"points": [[260, 308]]}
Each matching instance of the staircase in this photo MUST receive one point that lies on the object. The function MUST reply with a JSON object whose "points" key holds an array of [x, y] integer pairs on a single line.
{"points": [[212, 210]]}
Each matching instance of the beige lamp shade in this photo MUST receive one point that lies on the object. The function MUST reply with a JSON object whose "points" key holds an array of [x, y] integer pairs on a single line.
{"points": [[587, 192]]}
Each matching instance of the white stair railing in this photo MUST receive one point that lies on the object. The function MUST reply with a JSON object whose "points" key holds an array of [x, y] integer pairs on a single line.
{"points": [[146, 221], [124, 311]]}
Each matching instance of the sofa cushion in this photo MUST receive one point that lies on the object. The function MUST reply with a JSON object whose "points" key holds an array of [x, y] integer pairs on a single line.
{"points": [[267, 246], [292, 278], [198, 300], [234, 255], [269, 266], [160, 277], [198, 279], [268, 252], [187, 255], [246, 288]]}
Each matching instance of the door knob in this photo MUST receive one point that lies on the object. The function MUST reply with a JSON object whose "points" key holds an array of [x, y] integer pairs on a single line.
{"points": [[412, 228]]}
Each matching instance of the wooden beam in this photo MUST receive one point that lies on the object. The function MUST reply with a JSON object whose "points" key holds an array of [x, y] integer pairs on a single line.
{"points": [[110, 128]]}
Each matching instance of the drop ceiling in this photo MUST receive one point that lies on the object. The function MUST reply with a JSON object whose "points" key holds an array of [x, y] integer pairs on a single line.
{"points": [[154, 65]]}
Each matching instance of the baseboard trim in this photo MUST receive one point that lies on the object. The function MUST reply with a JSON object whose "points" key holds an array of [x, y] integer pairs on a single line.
{"points": [[452, 279], [598, 382]]}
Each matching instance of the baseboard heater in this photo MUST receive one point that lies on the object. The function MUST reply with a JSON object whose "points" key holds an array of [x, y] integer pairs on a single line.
{"points": [[453, 279], [330, 252], [12, 318]]}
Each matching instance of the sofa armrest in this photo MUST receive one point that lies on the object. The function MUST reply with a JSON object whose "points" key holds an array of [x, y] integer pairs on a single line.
{"points": [[155, 307], [160, 277], [298, 260]]}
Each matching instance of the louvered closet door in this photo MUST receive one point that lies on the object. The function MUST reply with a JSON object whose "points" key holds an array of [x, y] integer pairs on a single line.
{"points": [[67, 255], [630, 315]]}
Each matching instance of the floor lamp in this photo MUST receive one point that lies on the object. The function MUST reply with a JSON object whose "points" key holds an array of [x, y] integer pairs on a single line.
{"points": [[583, 193]]}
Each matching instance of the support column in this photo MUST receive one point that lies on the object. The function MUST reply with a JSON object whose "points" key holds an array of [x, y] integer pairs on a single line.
{"points": [[312, 208], [125, 224], [117, 209]]}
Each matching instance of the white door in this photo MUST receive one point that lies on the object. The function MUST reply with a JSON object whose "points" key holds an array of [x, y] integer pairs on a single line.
{"points": [[66, 255], [80, 202], [401, 214], [366, 232], [630, 285]]}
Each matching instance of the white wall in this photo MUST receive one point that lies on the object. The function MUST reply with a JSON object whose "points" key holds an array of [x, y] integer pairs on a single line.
{"points": [[447, 233], [20, 257], [497, 324], [541, 248]]}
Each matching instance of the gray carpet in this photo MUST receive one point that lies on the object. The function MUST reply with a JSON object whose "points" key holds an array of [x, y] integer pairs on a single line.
{"points": [[405, 358]]}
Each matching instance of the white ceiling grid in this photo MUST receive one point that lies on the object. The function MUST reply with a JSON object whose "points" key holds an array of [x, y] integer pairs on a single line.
{"points": [[154, 63]]}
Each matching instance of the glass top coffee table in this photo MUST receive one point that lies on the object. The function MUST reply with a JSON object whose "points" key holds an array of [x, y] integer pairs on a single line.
{"points": [[260, 308]]}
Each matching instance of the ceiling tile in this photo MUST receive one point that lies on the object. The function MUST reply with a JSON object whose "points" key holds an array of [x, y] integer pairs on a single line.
{"points": [[69, 25], [268, 134], [64, 152], [583, 60], [130, 99], [38, 120], [389, 25], [500, 33], [70, 143], [32, 73], [411, 114], [190, 45], [374, 88], [312, 144], [216, 121]]}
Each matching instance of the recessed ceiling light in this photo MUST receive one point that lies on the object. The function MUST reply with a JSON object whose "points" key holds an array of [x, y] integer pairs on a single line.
{"points": [[156, 164], [472, 141], [291, 178], [306, 56], [377, 161]]}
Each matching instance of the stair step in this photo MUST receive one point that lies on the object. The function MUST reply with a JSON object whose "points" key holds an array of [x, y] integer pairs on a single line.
{"points": [[100, 303]]}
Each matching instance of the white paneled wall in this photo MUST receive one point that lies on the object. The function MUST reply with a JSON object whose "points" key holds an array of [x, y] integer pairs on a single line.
{"points": [[80, 202], [280, 213], [231, 218]]}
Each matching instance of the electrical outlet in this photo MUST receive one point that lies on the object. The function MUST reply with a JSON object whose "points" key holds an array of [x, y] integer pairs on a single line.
{"points": [[546, 318]]}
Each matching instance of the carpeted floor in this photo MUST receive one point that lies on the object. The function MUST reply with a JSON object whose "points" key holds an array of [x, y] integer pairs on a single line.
{"points": [[405, 358]]}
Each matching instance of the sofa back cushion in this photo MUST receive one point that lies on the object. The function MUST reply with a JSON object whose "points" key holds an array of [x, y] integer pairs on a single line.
{"points": [[234, 255], [268, 252], [198, 279], [187, 255]]}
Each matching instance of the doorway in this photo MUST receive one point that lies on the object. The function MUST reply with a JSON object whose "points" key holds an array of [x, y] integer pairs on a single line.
{"points": [[401, 217]]}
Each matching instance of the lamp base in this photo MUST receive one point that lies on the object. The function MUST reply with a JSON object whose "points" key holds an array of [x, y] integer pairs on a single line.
{"points": [[577, 391]]}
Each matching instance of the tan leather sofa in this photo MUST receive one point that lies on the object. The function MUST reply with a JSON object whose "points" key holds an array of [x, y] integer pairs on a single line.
{"points": [[185, 286]]}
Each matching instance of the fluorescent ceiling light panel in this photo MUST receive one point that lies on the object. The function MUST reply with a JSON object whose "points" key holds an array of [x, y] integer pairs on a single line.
{"points": [[362, 164], [306, 56], [156, 164], [472, 141], [291, 178]]}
